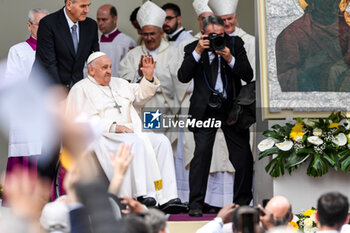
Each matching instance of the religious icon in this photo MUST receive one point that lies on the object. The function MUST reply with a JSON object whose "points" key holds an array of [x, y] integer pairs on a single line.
{"points": [[312, 53]]}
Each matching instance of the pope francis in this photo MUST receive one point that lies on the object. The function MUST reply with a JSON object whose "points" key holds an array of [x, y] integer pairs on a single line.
{"points": [[113, 101]]}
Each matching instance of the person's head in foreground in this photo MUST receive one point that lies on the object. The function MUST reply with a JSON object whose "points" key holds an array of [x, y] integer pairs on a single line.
{"points": [[281, 210], [332, 211]]}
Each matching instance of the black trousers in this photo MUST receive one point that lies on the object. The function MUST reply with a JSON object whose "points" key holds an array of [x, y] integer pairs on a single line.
{"points": [[240, 156]]}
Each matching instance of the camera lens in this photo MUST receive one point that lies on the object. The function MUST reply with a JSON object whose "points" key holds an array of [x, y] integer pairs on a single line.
{"points": [[218, 43]]}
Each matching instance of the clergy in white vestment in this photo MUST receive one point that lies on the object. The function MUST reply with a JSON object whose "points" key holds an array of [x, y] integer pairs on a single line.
{"points": [[175, 33], [113, 100], [151, 18], [113, 42], [23, 149]]}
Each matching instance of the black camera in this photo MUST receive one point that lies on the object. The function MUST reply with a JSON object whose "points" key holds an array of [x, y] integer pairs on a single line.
{"points": [[215, 100], [217, 42]]}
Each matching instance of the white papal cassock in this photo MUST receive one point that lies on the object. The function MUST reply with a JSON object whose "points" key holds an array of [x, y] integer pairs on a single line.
{"points": [[152, 171]]}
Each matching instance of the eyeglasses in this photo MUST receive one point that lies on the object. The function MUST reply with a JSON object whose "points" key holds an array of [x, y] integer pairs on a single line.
{"points": [[169, 18]]}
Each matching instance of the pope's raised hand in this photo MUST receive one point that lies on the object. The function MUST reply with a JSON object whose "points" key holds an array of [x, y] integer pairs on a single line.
{"points": [[148, 67]]}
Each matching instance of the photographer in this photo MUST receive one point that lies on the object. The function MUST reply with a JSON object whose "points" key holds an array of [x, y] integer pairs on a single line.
{"points": [[217, 63]]}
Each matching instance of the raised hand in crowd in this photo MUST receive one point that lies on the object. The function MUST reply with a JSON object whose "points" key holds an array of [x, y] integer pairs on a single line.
{"points": [[26, 195], [266, 218], [226, 212], [121, 162], [133, 206]]}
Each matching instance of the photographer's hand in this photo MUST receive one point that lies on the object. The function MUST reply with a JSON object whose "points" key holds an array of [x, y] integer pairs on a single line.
{"points": [[226, 212], [202, 45], [225, 54]]}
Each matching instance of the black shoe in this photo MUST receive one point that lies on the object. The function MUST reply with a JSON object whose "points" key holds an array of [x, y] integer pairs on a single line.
{"points": [[195, 213], [147, 201], [175, 201], [210, 209], [174, 206]]}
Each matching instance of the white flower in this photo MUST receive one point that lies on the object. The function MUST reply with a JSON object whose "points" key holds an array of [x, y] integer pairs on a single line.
{"points": [[310, 229], [308, 122], [266, 144], [340, 139], [285, 146], [308, 222], [317, 132], [295, 218], [298, 138], [345, 123], [315, 140], [313, 217]]}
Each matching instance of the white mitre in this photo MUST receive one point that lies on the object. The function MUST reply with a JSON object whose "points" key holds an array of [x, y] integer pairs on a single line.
{"points": [[151, 14], [223, 7], [94, 56], [201, 6]]}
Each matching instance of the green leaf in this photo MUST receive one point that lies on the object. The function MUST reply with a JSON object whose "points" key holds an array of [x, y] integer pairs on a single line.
{"points": [[293, 158], [345, 164], [271, 151], [306, 151], [276, 127], [329, 159], [272, 134], [276, 167], [317, 166], [343, 153]]}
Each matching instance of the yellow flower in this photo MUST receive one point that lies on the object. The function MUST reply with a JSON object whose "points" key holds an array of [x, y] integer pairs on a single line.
{"points": [[309, 212], [297, 131], [334, 125], [294, 225]]}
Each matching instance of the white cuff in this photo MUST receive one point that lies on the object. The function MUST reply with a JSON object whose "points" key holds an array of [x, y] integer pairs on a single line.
{"points": [[196, 56], [232, 63], [113, 127]]}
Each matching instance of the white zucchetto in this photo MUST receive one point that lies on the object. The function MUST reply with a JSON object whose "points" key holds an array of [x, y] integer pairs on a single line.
{"points": [[94, 56], [150, 14], [223, 7]]}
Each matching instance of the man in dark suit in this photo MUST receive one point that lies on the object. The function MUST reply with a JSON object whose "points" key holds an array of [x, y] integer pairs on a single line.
{"points": [[65, 40], [217, 81]]}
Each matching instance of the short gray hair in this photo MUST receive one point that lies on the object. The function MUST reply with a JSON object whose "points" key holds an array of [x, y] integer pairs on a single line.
{"points": [[285, 219], [156, 219], [212, 19], [35, 10]]}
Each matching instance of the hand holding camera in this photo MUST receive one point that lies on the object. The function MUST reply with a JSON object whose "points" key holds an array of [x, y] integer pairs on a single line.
{"points": [[266, 218], [215, 43], [225, 54], [202, 45]]}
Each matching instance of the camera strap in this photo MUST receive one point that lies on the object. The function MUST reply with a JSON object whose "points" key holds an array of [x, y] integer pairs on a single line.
{"points": [[213, 89]]}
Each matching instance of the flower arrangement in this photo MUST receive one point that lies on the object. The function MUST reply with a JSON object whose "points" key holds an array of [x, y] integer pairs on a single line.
{"points": [[323, 143], [305, 222]]}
